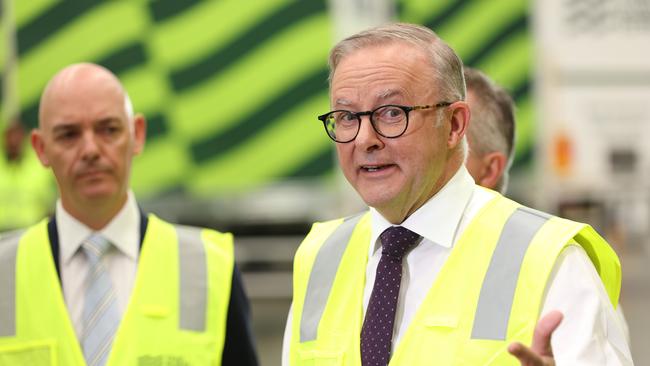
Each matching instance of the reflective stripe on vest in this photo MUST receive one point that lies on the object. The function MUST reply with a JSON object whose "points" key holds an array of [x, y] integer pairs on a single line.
{"points": [[322, 277], [193, 279], [498, 289], [8, 251], [192, 273]]}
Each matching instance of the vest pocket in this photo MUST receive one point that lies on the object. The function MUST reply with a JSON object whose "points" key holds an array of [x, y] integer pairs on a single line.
{"points": [[27, 353], [440, 322], [482, 352], [432, 341], [320, 358]]}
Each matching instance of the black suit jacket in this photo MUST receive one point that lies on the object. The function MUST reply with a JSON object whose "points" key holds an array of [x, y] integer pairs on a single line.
{"points": [[239, 348]]}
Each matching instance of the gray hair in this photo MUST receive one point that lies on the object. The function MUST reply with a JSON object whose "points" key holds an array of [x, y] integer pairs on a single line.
{"points": [[492, 127], [446, 66]]}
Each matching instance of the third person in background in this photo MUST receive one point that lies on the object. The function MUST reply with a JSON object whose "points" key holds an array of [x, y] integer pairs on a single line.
{"points": [[491, 133]]}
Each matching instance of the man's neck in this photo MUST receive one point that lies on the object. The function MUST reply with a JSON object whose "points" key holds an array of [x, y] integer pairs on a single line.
{"points": [[397, 215], [95, 215]]}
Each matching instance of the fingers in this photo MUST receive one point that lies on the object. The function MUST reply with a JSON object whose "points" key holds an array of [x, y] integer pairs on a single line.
{"points": [[540, 353], [543, 331], [525, 355]]}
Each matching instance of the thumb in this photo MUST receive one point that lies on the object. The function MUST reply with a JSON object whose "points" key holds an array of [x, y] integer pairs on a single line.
{"points": [[543, 331]]}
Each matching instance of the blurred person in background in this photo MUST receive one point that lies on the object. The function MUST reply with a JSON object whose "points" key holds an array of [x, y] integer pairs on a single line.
{"points": [[481, 270], [26, 188], [100, 282], [491, 133]]}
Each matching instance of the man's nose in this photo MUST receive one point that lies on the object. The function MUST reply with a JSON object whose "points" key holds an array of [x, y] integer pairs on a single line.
{"points": [[367, 138], [90, 147]]}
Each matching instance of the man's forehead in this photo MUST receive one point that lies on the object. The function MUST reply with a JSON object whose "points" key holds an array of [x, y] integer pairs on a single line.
{"points": [[81, 79], [75, 96], [381, 94]]}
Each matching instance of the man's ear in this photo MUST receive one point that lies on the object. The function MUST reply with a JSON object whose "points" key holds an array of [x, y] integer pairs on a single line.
{"points": [[494, 165], [38, 144], [460, 115], [140, 133]]}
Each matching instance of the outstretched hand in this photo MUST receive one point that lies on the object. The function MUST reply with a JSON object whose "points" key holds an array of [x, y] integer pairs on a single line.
{"points": [[540, 352]]}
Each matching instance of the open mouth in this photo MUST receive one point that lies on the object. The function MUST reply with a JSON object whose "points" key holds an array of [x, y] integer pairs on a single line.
{"points": [[375, 168]]}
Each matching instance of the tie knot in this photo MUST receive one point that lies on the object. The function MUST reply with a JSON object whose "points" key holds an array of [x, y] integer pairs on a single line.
{"points": [[397, 240], [95, 247]]}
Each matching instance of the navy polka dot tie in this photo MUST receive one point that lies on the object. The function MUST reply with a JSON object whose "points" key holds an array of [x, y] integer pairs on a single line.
{"points": [[377, 331]]}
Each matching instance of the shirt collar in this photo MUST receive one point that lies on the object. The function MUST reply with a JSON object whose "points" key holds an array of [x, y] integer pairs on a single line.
{"points": [[437, 220], [122, 231]]}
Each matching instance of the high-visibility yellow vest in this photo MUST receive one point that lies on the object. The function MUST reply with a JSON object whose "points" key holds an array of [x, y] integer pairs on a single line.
{"points": [[176, 314], [488, 294]]}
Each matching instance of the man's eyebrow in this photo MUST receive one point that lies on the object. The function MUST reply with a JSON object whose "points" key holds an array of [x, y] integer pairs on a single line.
{"points": [[64, 126], [387, 93], [343, 102], [106, 120], [384, 94]]}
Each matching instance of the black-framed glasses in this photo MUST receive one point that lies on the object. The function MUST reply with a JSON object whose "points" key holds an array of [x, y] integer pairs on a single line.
{"points": [[389, 121]]}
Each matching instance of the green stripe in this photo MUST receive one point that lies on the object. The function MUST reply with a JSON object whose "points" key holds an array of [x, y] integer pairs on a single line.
{"points": [[522, 90], [26, 11], [268, 156], [222, 58], [517, 25], [424, 11], [194, 34], [253, 81], [260, 118], [510, 62], [156, 126], [29, 115], [468, 30], [125, 58], [163, 164], [48, 22], [319, 165], [162, 9], [443, 15], [71, 44], [148, 89], [526, 131]]}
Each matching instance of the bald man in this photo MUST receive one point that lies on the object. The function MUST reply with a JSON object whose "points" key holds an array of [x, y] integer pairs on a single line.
{"points": [[101, 283]]}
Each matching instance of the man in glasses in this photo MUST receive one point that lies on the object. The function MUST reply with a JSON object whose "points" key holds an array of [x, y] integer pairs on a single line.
{"points": [[438, 271]]}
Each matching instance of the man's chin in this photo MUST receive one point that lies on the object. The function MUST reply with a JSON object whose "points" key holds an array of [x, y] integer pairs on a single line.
{"points": [[97, 193], [377, 198]]}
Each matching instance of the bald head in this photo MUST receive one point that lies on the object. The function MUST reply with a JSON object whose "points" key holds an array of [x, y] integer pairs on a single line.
{"points": [[78, 79], [88, 136]]}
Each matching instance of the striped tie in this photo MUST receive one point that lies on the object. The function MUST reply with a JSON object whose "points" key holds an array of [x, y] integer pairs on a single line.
{"points": [[101, 316]]}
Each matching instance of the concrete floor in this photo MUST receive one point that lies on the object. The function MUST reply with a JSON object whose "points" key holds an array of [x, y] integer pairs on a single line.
{"points": [[269, 318], [269, 314]]}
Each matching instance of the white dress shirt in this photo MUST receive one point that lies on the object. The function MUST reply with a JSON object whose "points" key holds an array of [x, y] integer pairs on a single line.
{"points": [[589, 334], [121, 260]]}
